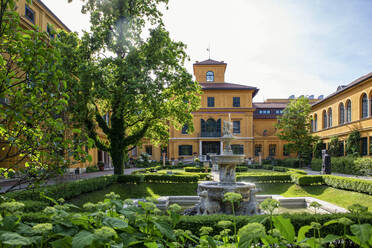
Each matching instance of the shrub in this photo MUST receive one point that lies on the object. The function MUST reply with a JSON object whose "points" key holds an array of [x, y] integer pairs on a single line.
{"points": [[64, 190], [316, 164], [280, 169], [130, 178], [34, 206], [194, 223], [290, 162], [148, 178], [364, 165], [265, 178], [267, 166], [353, 184], [305, 180], [92, 168], [195, 169]]}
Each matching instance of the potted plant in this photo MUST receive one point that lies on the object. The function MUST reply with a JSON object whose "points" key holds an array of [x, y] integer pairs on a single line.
{"points": [[101, 166]]}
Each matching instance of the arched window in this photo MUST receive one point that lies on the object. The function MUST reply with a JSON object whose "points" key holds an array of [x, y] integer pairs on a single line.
{"points": [[329, 117], [312, 124], [364, 106], [341, 117], [315, 122], [324, 119], [211, 128], [348, 111], [210, 76]]}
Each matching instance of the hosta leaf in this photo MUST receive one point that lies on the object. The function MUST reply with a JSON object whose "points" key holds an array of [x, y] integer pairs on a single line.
{"points": [[83, 239], [151, 245], [62, 243], [115, 223], [11, 238], [285, 227], [363, 232], [302, 232], [165, 229]]}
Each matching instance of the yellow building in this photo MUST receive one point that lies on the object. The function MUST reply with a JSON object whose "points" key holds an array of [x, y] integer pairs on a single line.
{"points": [[253, 123], [346, 110]]}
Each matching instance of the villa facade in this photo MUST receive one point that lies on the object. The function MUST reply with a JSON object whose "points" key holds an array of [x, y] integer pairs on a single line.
{"points": [[253, 122], [346, 110]]}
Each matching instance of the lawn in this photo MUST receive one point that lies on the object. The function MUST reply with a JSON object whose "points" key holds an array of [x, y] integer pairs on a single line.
{"points": [[338, 197]]}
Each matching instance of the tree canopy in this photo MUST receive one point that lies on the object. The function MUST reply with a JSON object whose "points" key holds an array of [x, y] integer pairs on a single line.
{"points": [[294, 126], [33, 119], [131, 85]]}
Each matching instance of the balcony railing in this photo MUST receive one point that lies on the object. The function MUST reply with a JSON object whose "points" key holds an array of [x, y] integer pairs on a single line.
{"points": [[210, 134]]}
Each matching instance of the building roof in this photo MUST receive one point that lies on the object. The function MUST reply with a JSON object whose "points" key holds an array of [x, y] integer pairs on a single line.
{"points": [[210, 62], [346, 87], [227, 86], [279, 105], [56, 17]]}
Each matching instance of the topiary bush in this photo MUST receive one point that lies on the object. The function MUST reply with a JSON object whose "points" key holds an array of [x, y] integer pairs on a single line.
{"points": [[265, 178], [305, 180], [353, 184]]}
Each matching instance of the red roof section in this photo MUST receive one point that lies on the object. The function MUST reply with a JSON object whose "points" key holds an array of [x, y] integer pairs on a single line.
{"points": [[227, 86], [353, 83], [210, 62]]}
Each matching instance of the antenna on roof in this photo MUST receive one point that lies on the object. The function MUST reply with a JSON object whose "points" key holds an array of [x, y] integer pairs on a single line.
{"points": [[209, 51]]}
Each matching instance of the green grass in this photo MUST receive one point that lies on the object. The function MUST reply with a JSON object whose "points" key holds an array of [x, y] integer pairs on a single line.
{"points": [[338, 197], [137, 191]]}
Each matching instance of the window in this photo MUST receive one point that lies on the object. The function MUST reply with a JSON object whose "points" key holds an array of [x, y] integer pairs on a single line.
{"points": [[265, 111], [236, 126], [210, 128], [285, 150], [236, 101], [315, 122], [272, 150], [257, 149], [106, 118], [237, 149], [364, 142], [324, 119], [312, 125], [364, 106], [341, 119], [329, 117], [210, 101], [210, 76], [348, 111], [30, 14], [148, 150], [278, 111], [185, 129], [185, 150]]}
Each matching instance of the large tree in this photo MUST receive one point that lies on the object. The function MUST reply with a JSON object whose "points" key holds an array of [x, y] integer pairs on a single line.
{"points": [[33, 101], [137, 77], [294, 126]]}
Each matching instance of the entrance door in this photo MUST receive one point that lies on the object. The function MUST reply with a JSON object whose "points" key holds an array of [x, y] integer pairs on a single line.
{"points": [[210, 147]]}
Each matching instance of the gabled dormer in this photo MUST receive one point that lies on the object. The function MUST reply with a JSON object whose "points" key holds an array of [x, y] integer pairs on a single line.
{"points": [[210, 71]]}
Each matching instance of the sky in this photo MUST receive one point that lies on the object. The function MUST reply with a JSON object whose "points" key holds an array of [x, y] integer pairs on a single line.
{"points": [[282, 47]]}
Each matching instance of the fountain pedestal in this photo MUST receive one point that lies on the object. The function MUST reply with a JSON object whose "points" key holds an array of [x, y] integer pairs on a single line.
{"points": [[212, 193]]}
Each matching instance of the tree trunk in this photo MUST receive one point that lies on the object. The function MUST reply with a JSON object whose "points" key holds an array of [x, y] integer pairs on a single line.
{"points": [[117, 155]]}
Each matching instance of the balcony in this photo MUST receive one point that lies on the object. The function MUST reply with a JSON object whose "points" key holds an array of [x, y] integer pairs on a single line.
{"points": [[210, 134]]}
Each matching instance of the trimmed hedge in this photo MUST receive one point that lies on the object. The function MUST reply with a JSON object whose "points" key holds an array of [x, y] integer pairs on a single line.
{"points": [[65, 190], [353, 184], [273, 178], [347, 165], [194, 223], [196, 169], [158, 178], [305, 180]]}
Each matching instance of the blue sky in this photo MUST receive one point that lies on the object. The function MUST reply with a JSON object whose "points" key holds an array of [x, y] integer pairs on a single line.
{"points": [[283, 47]]}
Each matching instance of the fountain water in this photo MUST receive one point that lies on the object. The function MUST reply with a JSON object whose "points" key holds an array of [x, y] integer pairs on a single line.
{"points": [[212, 193]]}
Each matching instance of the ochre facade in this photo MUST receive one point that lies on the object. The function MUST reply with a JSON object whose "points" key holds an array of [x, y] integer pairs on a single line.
{"points": [[346, 110], [253, 123]]}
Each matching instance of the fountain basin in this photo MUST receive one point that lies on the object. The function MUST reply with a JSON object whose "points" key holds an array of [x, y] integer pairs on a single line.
{"points": [[216, 190]]}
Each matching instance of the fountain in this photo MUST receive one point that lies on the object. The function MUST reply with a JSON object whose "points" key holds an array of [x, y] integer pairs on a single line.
{"points": [[212, 193]]}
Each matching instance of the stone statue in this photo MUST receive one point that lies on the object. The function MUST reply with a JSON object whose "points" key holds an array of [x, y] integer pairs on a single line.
{"points": [[250, 207], [227, 128], [206, 206]]}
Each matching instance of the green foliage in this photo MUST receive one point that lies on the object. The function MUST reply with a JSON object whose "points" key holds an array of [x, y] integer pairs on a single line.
{"points": [[195, 169], [364, 165], [273, 178], [316, 164], [142, 83], [93, 168], [353, 144], [348, 165], [347, 183], [34, 100], [64, 190], [334, 147], [318, 146], [305, 180], [294, 127]]}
